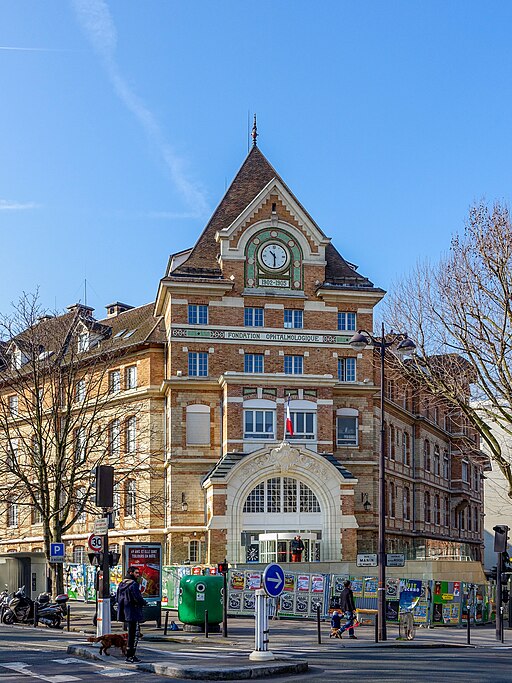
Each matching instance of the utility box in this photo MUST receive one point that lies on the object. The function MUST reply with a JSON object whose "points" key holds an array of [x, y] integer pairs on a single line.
{"points": [[198, 594]]}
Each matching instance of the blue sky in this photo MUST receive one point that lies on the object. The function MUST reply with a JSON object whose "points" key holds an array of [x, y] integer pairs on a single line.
{"points": [[122, 121]]}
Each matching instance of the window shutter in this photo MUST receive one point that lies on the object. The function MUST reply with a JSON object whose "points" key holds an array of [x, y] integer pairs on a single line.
{"points": [[198, 425]]}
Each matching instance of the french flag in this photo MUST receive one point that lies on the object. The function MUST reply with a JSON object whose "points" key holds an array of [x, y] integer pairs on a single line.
{"points": [[289, 425]]}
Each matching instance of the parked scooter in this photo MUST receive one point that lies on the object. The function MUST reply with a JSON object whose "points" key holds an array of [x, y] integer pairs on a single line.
{"points": [[19, 608], [51, 613]]}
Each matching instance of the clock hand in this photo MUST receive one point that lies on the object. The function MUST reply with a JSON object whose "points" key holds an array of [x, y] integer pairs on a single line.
{"points": [[274, 255]]}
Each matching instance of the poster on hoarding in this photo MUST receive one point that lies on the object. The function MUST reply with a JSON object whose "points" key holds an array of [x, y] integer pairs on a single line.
{"points": [[370, 587], [253, 581], [357, 588], [303, 582], [339, 580], [286, 603], [289, 583], [317, 583], [236, 580], [148, 558], [392, 591]]}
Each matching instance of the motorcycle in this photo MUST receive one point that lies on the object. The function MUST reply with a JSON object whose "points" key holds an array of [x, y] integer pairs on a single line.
{"points": [[19, 608], [51, 613]]}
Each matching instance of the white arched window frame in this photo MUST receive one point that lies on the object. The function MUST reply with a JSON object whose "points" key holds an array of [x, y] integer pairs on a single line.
{"points": [[347, 427], [303, 416], [281, 495], [198, 425], [259, 419]]}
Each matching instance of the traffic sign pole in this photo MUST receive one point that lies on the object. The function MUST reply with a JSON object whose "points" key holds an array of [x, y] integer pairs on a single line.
{"points": [[261, 652], [104, 623]]}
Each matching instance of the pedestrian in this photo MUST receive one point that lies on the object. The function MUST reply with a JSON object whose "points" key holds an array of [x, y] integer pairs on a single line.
{"points": [[129, 609], [348, 607], [335, 625], [297, 548]]}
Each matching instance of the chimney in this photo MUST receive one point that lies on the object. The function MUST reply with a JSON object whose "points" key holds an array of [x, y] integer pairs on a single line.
{"points": [[84, 310], [116, 308]]}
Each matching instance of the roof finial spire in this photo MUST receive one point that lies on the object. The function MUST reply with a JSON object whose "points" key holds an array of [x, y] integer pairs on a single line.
{"points": [[254, 133]]}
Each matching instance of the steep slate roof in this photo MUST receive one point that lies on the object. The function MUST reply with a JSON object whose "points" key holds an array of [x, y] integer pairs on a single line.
{"points": [[228, 461], [145, 327], [255, 173]]}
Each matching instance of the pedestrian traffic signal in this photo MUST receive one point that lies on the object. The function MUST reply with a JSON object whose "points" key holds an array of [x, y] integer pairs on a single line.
{"points": [[113, 558], [507, 564], [96, 559], [504, 595], [222, 567]]}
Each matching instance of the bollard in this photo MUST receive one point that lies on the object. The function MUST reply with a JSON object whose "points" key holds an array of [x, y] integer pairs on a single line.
{"points": [[166, 622], [261, 652], [36, 613], [206, 623], [319, 632], [376, 628], [68, 617]]}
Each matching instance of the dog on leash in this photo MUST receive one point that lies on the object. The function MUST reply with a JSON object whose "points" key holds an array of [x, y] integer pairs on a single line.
{"points": [[109, 640]]}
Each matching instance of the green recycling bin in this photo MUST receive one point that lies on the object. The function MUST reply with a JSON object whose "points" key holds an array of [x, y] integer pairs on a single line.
{"points": [[198, 594]]}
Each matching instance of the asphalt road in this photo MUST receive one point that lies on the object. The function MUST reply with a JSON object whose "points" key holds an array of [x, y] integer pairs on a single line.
{"points": [[29, 654]]}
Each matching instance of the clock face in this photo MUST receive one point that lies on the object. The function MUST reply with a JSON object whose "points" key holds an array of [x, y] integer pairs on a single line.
{"points": [[274, 256]]}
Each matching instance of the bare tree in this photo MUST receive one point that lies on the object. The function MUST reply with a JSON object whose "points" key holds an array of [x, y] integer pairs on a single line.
{"points": [[58, 418], [458, 312]]}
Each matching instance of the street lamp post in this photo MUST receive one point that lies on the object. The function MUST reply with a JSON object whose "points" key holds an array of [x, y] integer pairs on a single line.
{"points": [[358, 342]]}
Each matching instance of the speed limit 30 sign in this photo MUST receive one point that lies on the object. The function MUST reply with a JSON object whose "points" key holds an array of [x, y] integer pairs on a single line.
{"points": [[95, 543]]}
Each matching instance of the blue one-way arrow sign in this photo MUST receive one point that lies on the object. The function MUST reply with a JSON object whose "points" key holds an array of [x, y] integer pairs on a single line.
{"points": [[273, 580]]}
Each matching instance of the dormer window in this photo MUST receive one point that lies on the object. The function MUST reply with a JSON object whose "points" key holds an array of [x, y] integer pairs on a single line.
{"points": [[83, 341]]}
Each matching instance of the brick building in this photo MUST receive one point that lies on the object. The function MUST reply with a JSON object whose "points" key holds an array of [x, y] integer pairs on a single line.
{"points": [[256, 316], [260, 310]]}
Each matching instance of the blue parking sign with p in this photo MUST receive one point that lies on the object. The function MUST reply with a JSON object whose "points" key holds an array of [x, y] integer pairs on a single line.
{"points": [[56, 549]]}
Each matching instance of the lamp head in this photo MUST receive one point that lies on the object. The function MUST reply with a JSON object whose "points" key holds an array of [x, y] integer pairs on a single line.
{"points": [[358, 342], [406, 347]]}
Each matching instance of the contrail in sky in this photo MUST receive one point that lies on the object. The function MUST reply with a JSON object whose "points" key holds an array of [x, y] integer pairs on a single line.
{"points": [[33, 49], [7, 205], [98, 25]]}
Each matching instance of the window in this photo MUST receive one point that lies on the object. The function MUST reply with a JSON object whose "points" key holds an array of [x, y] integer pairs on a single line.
{"points": [[347, 369], [303, 425], [347, 427], [198, 364], [406, 448], [293, 365], [465, 471], [476, 526], [446, 512], [36, 516], [293, 318], [130, 508], [116, 508], [114, 438], [253, 317], [79, 554], [391, 442], [437, 510], [446, 465], [36, 450], [253, 362], [346, 321], [17, 359], [281, 495], [426, 505], [392, 510], [12, 513], [131, 434], [197, 314], [476, 479], [407, 504], [131, 377], [198, 425], [259, 424], [194, 551], [83, 341], [114, 381], [13, 406], [80, 445], [437, 461], [12, 453], [80, 496], [426, 455], [80, 391]]}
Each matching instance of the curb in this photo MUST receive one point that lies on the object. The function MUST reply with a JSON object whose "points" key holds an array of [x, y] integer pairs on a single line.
{"points": [[278, 667]]}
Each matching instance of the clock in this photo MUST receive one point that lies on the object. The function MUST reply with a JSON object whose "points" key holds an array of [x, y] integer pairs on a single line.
{"points": [[273, 256]]}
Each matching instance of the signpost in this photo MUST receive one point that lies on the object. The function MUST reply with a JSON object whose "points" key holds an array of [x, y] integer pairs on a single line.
{"points": [[273, 584], [57, 552], [367, 560], [101, 526]]}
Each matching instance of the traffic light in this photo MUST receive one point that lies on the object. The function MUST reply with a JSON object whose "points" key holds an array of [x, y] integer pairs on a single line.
{"points": [[500, 538], [222, 567], [113, 558], [96, 559], [504, 595], [507, 564], [104, 486]]}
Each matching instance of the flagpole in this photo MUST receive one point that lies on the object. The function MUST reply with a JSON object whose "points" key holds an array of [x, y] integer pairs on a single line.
{"points": [[284, 419]]}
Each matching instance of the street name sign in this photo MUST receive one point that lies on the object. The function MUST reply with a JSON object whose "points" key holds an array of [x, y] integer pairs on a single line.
{"points": [[57, 552], [101, 526], [273, 580], [367, 560], [395, 560], [95, 543]]}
